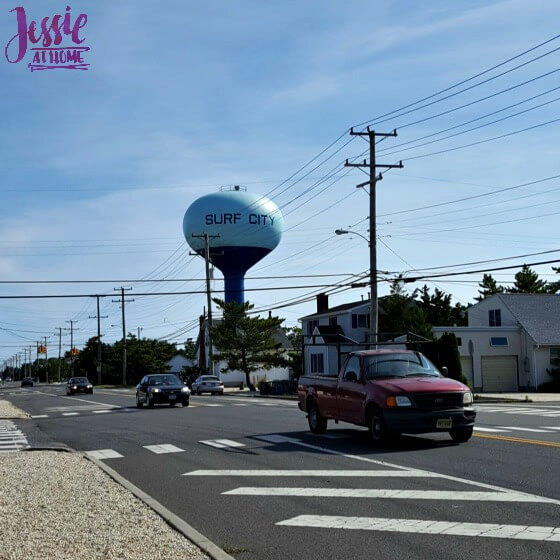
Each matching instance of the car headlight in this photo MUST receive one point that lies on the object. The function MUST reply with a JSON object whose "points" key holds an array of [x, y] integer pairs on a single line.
{"points": [[90, 386], [185, 390], [399, 400], [74, 386], [155, 390], [467, 397]]}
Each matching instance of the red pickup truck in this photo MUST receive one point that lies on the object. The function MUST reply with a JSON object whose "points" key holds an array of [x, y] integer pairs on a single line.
{"points": [[391, 392]]}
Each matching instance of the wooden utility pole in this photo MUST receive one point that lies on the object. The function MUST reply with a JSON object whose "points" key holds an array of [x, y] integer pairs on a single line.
{"points": [[208, 296], [373, 179], [122, 300], [98, 317]]}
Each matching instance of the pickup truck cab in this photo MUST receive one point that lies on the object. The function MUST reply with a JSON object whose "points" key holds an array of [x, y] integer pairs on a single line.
{"points": [[390, 392]]}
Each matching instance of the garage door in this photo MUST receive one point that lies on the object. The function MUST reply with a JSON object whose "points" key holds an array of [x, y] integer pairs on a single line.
{"points": [[499, 373], [466, 367]]}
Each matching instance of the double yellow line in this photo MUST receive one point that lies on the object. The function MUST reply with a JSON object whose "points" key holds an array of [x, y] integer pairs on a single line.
{"points": [[518, 440]]}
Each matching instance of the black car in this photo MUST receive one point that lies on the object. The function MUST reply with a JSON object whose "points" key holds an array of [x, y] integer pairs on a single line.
{"points": [[161, 388], [27, 382], [79, 385]]}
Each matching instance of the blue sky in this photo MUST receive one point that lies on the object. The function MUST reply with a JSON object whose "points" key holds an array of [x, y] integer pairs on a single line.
{"points": [[98, 167]]}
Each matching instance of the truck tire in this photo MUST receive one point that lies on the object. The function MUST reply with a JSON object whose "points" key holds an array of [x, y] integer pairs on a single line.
{"points": [[377, 427], [317, 424], [461, 435]]}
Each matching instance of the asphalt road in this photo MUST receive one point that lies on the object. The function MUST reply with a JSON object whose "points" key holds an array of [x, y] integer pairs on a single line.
{"points": [[247, 473]]}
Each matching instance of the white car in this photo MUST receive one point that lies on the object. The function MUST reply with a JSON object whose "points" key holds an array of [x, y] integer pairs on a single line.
{"points": [[207, 384]]}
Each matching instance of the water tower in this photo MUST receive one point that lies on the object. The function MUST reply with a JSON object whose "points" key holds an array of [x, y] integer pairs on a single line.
{"points": [[242, 228]]}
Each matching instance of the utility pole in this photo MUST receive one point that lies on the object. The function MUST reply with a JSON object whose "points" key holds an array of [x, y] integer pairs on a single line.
{"points": [[59, 350], [98, 317], [123, 330], [373, 179], [46, 362], [207, 238], [71, 346]]}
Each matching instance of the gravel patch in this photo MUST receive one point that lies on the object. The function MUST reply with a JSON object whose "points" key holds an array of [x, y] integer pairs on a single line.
{"points": [[8, 411], [61, 506]]}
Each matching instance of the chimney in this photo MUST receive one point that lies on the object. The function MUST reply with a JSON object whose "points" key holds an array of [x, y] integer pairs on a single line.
{"points": [[322, 303]]}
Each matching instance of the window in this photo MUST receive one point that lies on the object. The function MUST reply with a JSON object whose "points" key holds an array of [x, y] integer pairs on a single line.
{"points": [[333, 321], [555, 356], [311, 326], [499, 341], [494, 318], [459, 341], [352, 366], [317, 363], [360, 321]]}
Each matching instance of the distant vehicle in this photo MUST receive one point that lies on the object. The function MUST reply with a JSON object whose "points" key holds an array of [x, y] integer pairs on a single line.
{"points": [[207, 384], [391, 392], [161, 388], [27, 382], [79, 385], [8, 379]]}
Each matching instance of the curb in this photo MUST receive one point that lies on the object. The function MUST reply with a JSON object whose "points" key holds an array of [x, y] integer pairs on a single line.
{"points": [[189, 532]]}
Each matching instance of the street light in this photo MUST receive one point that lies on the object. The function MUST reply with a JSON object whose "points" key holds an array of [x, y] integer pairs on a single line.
{"points": [[373, 306]]}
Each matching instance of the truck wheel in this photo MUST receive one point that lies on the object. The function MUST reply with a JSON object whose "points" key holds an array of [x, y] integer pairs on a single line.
{"points": [[377, 428], [461, 435], [317, 424]]}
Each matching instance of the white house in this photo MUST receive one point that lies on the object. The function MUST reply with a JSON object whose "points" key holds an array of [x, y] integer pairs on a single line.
{"points": [[510, 341], [330, 333], [177, 363]]}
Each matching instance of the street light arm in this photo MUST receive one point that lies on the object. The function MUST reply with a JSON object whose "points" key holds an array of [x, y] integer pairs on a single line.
{"points": [[345, 231]]}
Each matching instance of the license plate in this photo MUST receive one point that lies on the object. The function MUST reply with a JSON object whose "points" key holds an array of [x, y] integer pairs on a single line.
{"points": [[444, 423], [173, 397]]}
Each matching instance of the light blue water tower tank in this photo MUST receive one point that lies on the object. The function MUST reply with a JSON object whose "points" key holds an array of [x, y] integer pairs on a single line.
{"points": [[242, 228]]}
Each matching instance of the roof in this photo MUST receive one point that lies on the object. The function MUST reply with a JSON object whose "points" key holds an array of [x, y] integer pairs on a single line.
{"points": [[337, 309], [332, 333], [538, 314]]}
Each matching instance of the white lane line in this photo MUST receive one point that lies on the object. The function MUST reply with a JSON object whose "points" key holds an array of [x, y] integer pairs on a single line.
{"points": [[478, 429], [515, 428], [104, 411], [550, 427], [163, 448], [209, 405], [491, 530], [70, 414], [104, 454], [277, 438], [40, 416], [240, 404], [314, 473], [454, 495], [221, 443]]}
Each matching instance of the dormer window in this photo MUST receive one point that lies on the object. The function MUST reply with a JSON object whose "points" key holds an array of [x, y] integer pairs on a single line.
{"points": [[495, 318]]}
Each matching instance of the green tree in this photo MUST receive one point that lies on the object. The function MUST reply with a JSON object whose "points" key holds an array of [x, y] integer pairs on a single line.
{"points": [[295, 356], [399, 313], [527, 281], [246, 343], [444, 352], [488, 287], [438, 309]]}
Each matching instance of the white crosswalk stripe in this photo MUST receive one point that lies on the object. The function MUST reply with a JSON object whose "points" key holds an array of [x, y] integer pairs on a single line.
{"points": [[163, 448], [11, 439], [104, 454], [490, 530], [222, 443]]}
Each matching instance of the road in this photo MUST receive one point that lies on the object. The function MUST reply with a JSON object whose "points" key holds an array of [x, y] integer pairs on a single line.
{"points": [[247, 473]]}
